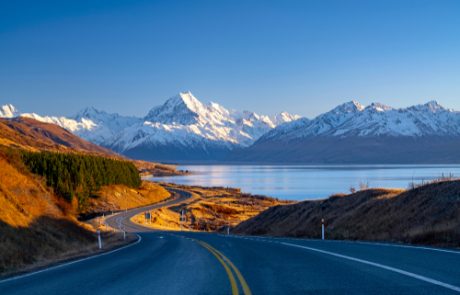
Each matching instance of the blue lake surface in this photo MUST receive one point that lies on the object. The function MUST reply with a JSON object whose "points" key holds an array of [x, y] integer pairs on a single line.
{"points": [[308, 182]]}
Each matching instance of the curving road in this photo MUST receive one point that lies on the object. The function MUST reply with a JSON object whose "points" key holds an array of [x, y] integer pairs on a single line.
{"points": [[200, 263]]}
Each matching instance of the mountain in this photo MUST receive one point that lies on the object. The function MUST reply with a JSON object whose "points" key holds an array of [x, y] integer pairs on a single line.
{"points": [[185, 129], [181, 129], [91, 124], [354, 134], [8, 111], [30, 134]]}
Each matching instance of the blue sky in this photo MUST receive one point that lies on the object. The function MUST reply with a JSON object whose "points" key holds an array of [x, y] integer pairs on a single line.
{"points": [[305, 57]]}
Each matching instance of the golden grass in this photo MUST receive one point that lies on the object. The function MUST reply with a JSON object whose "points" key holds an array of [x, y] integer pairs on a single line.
{"points": [[425, 215], [120, 197], [209, 209], [38, 228]]}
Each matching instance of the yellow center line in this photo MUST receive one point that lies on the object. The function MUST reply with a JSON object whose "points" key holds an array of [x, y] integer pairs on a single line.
{"points": [[227, 269], [243, 282], [224, 261]]}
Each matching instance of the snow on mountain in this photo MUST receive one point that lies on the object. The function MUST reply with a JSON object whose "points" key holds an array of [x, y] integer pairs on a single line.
{"points": [[354, 119], [93, 125], [8, 111], [185, 121], [182, 121]]}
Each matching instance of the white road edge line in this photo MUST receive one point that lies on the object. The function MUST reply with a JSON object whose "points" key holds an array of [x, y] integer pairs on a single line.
{"points": [[457, 252], [408, 246], [139, 239], [382, 266]]}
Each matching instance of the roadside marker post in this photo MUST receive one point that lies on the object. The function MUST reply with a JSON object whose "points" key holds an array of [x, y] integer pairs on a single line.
{"points": [[228, 230], [322, 229], [99, 239]]}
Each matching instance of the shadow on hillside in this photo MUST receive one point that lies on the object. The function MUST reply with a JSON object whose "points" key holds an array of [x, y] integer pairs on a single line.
{"points": [[428, 215], [45, 239]]}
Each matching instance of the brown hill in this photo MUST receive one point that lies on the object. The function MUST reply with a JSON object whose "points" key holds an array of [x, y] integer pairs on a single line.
{"points": [[33, 135], [36, 226], [428, 214]]}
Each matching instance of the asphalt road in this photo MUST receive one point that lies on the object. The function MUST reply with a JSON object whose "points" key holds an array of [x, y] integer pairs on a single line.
{"points": [[199, 263]]}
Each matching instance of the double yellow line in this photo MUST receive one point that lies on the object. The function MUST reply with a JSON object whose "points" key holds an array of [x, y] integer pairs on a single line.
{"points": [[229, 267]]}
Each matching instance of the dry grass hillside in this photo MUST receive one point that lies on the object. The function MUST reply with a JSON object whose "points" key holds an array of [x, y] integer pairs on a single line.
{"points": [[429, 214], [36, 226], [119, 197], [209, 209], [33, 135]]}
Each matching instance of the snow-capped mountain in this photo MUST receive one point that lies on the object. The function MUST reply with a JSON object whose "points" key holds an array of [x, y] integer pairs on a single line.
{"points": [[93, 125], [185, 128], [8, 111], [181, 128], [353, 119], [355, 133]]}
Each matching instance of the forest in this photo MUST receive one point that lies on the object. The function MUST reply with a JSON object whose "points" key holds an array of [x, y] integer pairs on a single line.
{"points": [[80, 176]]}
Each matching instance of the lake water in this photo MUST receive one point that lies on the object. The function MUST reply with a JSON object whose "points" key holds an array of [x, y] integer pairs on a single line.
{"points": [[308, 182]]}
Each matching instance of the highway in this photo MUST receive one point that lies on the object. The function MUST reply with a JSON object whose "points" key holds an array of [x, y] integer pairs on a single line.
{"points": [[204, 263]]}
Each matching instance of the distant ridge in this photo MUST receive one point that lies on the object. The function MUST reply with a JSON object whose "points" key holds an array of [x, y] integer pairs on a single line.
{"points": [[354, 134], [33, 135]]}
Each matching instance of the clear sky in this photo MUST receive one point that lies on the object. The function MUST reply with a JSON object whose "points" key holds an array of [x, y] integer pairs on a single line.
{"points": [[304, 57]]}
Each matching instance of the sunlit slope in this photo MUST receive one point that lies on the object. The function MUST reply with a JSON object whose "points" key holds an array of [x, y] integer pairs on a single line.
{"points": [[34, 224], [33, 135], [48, 178]]}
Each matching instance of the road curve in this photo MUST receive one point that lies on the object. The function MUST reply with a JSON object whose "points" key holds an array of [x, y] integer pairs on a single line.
{"points": [[121, 220], [202, 263]]}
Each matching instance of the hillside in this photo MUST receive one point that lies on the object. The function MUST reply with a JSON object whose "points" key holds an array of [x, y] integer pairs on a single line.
{"points": [[34, 225], [428, 214], [209, 209], [33, 135], [48, 178]]}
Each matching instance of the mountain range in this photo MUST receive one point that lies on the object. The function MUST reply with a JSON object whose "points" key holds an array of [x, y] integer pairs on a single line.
{"points": [[184, 129], [181, 129]]}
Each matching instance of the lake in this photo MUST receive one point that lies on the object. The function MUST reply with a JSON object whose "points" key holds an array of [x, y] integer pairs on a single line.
{"points": [[308, 182]]}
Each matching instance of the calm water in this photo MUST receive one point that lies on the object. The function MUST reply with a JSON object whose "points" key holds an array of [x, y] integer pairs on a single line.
{"points": [[309, 182]]}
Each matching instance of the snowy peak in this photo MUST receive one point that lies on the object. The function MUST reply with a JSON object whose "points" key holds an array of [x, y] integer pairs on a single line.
{"points": [[348, 107], [431, 107], [284, 117], [183, 108], [90, 113], [8, 111], [183, 120]]}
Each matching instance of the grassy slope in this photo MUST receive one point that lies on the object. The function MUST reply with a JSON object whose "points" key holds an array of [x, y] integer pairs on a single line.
{"points": [[36, 227], [426, 215], [210, 209], [33, 226], [120, 197], [33, 135]]}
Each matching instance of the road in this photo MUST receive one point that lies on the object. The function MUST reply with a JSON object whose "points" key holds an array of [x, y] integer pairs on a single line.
{"points": [[202, 263]]}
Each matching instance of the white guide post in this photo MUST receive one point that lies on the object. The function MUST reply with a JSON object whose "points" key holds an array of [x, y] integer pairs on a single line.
{"points": [[322, 229], [99, 239]]}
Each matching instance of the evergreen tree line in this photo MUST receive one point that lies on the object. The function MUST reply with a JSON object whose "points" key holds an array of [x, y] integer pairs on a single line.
{"points": [[80, 176]]}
